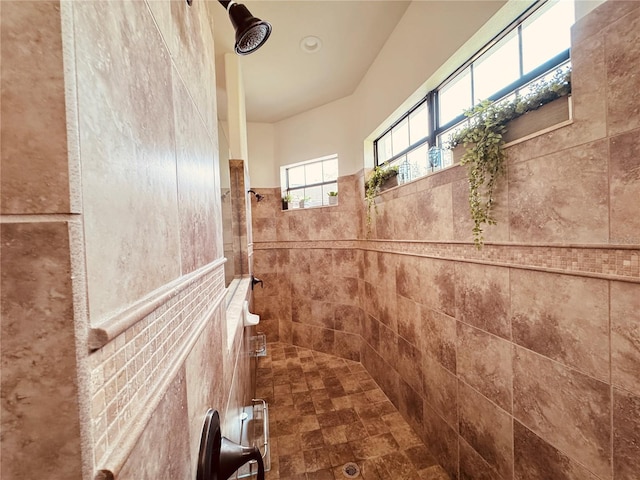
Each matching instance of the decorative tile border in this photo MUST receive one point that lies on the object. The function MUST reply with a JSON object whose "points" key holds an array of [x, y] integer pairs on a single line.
{"points": [[109, 329], [131, 372], [612, 262]]}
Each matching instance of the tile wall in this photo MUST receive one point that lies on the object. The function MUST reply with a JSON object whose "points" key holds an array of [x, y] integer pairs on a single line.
{"points": [[41, 428], [517, 361], [312, 271], [113, 301]]}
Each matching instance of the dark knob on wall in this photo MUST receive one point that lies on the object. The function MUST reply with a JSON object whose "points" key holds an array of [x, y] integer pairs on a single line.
{"points": [[219, 457], [255, 281]]}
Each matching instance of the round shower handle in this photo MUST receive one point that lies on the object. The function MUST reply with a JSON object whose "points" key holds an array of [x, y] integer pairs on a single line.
{"points": [[219, 457]]}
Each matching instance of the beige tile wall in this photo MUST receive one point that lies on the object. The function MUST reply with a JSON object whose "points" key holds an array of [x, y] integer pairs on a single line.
{"points": [[528, 345], [151, 185], [113, 315], [35, 171], [40, 407], [40, 421]]}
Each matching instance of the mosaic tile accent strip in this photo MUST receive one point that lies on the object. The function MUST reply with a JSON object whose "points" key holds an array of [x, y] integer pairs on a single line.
{"points": [[128, 372], [108, 330], [613, 263]]}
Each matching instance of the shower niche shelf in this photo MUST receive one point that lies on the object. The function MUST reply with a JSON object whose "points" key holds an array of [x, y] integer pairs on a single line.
{"points": [[255, 432], [258, 345]]}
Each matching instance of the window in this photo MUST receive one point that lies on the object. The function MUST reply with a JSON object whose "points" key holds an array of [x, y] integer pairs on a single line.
{"points": [[534, 45], [406, 143], [455, 97], [503, 58], [311, 181]]}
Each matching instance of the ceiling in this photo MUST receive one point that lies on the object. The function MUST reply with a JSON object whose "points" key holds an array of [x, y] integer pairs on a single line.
{"points": [[282, 80]]}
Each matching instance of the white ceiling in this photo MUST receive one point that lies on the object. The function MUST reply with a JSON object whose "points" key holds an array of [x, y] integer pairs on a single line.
{"points": [[280, 79]]}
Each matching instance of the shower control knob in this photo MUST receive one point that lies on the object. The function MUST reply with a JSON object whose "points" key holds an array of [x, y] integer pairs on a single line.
{"points": [[255, 281]]}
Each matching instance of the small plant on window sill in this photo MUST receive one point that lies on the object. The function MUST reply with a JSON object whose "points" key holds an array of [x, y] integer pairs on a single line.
{"points": [[333, 198], [286, 200], [484, 156], [303, 200], [377, 178]]}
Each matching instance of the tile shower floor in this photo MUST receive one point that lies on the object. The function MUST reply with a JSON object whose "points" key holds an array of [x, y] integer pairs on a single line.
{"points": [[326, 412]]}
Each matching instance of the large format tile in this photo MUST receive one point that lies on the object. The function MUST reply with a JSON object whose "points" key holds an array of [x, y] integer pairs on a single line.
{"points": [[545, 204], [622, 41], [408, 366], [434, 217], [624, 187], [588, 96], [192, 49], [407, 278], [565, 408], [441, 390], [35, 171], [40, 411], [462, 222], [408, 315], [473, 466], [562, 317], [438, 337], [197, 169], [348, 318], [347, 345], [482, 297], [603, 16], [127, 142], [626, 435], [484, 362], [204, 371], [441, 440], [437, 284], [625, 336], [486, 428], [535, 459]]}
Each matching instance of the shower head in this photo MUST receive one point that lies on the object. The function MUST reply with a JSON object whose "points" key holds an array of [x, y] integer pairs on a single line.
{"points": [[257, 195], [251, 32]]}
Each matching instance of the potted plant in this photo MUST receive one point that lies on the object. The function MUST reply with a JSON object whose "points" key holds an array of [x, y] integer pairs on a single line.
{"points": [[303, 200], [483, 142], [379, 179], [333, 198], [286, 200]]}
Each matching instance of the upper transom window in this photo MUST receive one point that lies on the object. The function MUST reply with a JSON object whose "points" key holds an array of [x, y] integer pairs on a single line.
{"points": [[536, 43]]}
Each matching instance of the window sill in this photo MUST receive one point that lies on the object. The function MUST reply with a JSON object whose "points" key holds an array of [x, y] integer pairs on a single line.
{"points": [[547, 118], [315, 207]]}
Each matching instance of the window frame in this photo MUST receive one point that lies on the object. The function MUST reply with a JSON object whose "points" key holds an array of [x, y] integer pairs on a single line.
{"points": [[432, 98], [288, 189]]}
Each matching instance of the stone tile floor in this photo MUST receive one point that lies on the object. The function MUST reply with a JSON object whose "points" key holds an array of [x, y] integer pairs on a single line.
{"points": [[326, 411]]}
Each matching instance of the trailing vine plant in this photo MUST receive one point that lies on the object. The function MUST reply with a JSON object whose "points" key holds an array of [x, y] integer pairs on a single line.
{"points": [[377, 178], [482, 138]]}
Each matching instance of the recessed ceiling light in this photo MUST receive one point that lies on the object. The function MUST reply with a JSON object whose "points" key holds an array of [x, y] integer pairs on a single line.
{"points": [[310, 44]]}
